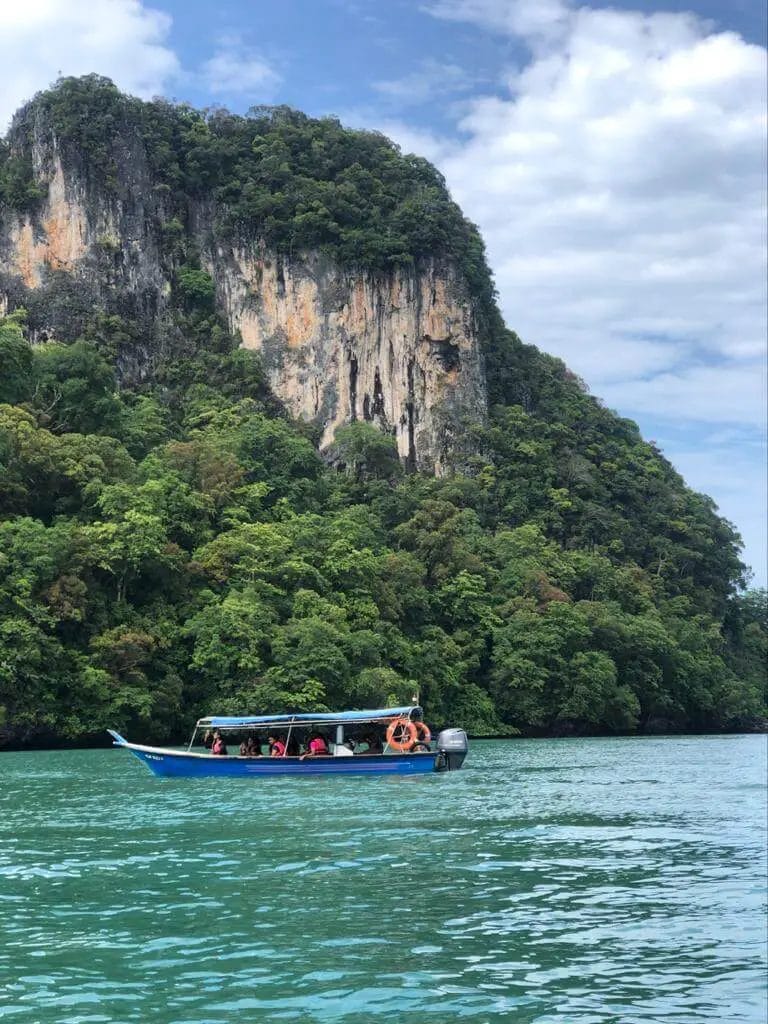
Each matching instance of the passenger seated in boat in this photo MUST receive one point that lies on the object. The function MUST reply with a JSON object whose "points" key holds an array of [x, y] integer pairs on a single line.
{"points": [[276, 746], [244, 749], [218, 746], [317, 747], [208, 740], [254, 748], [374, 745]]}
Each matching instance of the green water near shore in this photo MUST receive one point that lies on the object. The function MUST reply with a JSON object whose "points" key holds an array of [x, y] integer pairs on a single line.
{"points": [[587, 881]]}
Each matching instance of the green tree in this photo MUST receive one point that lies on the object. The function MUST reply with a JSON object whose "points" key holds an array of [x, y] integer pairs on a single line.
{"points": [[16, 362], [75, 389], [366, 453]]}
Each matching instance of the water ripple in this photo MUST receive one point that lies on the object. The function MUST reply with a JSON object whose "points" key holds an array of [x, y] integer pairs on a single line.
{"points": [[587, 881]]}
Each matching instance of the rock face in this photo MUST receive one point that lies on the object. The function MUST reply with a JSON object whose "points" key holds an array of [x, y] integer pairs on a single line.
{"points": [[57, 241], [398, 349]]}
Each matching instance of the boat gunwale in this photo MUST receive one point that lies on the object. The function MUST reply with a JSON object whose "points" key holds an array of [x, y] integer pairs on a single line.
{"points": [[169, 751]]}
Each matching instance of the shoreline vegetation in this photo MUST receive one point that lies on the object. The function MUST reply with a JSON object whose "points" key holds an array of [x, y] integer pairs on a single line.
{"points": [[759, 729], [178, 545]]}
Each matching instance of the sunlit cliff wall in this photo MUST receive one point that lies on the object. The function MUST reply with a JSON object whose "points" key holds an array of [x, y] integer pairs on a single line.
{"points": [[399, 349]]}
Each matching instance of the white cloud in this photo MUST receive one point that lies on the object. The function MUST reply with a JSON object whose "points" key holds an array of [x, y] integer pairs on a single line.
{"points": [[619, 180], [731, 393], [126, 40], [237, 69], [434, 78], [537, 20], [42, 39]]}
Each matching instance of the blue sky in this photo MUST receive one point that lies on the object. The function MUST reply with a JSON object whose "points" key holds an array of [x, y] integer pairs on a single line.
{"points": [[332, 52], [614, 159]]}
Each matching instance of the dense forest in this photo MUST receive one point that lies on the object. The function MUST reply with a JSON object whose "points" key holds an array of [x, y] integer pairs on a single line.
{"points": [[178, 546]]}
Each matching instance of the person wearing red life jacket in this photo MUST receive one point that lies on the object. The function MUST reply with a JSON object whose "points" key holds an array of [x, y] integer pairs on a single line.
{"points": [[276, 747]]}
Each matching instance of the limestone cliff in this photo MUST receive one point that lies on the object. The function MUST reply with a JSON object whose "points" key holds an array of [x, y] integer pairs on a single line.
{"points": [[398, 348]]}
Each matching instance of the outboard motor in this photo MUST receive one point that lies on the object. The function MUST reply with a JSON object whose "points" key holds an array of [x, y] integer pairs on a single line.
{"points": [[452, 748]]}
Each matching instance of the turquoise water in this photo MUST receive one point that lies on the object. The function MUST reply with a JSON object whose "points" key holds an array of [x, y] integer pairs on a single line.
{"points": [[585, 881]]}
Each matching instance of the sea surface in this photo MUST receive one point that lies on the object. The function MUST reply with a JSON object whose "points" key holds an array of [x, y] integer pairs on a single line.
{"points": [[588, 881]]}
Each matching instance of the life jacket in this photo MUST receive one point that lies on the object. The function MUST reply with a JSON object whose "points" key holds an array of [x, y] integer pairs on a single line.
{"points": [[318, 746], [218, 747], [278, 748]]}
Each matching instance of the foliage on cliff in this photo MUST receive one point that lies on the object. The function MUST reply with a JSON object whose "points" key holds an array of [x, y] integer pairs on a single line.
{"points": [[181, 550], [293, 181]]}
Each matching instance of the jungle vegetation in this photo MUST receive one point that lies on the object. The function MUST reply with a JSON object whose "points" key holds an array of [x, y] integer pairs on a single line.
{"points": [[180, 547]]}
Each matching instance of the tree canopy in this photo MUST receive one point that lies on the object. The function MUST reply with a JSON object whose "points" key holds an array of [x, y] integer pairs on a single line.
{"points": [[293, 181], [182, 550], [179, 547]]}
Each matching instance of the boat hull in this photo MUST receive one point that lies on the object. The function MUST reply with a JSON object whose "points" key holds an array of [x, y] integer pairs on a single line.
{"points": [[186, 764]]}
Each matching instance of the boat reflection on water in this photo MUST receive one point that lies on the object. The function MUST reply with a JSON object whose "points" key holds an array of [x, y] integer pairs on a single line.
{"points": [[387, 741]]}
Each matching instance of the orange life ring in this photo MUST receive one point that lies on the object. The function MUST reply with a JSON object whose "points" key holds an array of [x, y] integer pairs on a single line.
{"points": [[401, 734], [423, 735]]}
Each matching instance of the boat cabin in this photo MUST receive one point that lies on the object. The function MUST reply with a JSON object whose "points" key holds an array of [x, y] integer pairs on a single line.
{"points": [[343, 734]]}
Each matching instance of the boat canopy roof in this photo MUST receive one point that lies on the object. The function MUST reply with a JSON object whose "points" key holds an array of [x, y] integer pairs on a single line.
{"points": [[330, 718]]}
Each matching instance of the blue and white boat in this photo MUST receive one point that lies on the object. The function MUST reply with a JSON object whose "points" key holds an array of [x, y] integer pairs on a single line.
{"points": [[387, 741]]}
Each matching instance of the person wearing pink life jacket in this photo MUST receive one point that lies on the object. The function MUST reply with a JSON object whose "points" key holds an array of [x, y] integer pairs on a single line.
{"points": [[317, 747], [219, 746], [276, 747]]}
